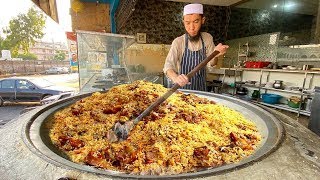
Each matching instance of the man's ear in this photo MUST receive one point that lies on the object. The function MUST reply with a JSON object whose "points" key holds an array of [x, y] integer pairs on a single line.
{"points": [[203, 20]]}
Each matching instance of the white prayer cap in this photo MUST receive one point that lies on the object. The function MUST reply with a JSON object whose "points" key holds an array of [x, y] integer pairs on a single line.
{"points": [[193, 9]]}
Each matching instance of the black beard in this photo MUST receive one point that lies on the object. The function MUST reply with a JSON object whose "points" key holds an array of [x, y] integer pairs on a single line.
{"points": [[194, 38]]}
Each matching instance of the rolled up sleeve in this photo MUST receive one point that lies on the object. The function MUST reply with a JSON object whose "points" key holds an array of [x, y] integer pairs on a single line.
{"points": [[172, 58], [210, 49]]}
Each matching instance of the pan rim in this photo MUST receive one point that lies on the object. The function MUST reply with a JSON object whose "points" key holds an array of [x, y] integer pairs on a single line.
{"points": [[32, 127]]}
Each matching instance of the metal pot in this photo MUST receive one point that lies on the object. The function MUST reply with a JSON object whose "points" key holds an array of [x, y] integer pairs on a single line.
{"points": [[255, 94], [242, 91], [278, 84], [36, 137], [307, 103]]}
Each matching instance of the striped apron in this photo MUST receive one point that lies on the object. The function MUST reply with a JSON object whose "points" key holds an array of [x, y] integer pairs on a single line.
{"points": [[190, 60]]}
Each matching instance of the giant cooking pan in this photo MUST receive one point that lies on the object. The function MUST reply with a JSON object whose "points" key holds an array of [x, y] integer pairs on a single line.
{"points": [[36, 137]]}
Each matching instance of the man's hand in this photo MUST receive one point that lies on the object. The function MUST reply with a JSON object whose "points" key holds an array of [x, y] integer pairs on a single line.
{"points": [[221, 48], [181, 79]]}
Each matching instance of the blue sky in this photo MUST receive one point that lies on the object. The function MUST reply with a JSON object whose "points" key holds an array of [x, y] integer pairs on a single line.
{"points": [[54, 32]]}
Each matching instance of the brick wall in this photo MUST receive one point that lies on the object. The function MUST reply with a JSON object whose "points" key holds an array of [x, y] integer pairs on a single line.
{"points": [[92, 18]]}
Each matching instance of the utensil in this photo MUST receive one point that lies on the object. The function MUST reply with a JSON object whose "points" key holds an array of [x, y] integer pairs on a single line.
{"points": [[121, 131], [278, 84], [255, 94], [308, 102], [271, 98]]}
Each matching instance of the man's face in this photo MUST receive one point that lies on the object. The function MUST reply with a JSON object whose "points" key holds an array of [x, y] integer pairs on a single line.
{"points": [[192, 24]]}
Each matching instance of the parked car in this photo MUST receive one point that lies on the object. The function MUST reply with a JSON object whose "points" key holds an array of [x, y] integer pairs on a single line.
{"points": [[65, 70], [23, 90], [54, 70]]}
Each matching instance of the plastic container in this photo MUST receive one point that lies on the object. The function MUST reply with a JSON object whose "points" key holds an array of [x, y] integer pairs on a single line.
{"points": [[261, 64], [271, 98], [293, 105], [255, 94], [256, 64], [249, 64]]}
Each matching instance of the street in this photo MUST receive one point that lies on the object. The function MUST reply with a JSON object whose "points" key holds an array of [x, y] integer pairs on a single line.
{"points": [[13, 110], [10, 112]]}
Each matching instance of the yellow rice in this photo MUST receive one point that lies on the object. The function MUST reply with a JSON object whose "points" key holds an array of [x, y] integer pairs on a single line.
{"points": [[184, 133]]}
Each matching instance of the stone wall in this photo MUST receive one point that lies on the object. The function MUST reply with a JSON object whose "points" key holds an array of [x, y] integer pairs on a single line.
{"points": [[29, 66], [124, 11], [162, 21], [249, 22]]}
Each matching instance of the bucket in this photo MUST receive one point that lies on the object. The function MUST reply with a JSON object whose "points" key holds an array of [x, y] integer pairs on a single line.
{"points": [[271, 98]]}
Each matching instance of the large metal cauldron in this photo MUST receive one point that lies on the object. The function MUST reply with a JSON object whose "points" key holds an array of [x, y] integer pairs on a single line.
{"points": [[35, 135]]}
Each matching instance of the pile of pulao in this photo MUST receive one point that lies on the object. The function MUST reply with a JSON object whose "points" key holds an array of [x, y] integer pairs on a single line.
{"points": [[183, 134]]}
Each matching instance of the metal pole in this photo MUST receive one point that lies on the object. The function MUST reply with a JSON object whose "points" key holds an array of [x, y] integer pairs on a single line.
{"points": [[301, 95]]}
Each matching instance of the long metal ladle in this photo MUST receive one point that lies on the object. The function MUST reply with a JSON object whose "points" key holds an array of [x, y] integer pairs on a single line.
{"points": [[121, 131]]}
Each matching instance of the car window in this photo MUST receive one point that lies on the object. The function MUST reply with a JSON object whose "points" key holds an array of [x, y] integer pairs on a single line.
{"points": [[23, 84], [8, 84], [42, 83]]}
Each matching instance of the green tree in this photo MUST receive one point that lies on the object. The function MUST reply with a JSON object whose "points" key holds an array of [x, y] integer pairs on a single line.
{"points": [[1, 42], [60, 55], [24, 30], [27, 56], [5, 44]]}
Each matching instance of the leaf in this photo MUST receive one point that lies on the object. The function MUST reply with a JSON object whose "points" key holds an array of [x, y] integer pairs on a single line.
{"points": [[59, 55], [23, 31]]}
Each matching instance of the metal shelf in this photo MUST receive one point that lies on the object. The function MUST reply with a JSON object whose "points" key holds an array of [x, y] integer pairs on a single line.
{"points": [[274, 89], [261, 71], [282, 90], [308, 93], [275, 70], [300, 59], [250, 85], [287, 108], [280, 106]]}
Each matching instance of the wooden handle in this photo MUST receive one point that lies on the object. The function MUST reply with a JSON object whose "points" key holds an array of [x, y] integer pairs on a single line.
{"points": [[175, 87]]}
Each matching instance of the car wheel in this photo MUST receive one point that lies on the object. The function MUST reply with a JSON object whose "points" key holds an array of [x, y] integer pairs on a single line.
{"points": [[1, 101], [45, 96]]}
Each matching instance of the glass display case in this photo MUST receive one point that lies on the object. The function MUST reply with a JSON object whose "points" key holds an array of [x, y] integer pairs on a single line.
{"points": [[102, 60]]}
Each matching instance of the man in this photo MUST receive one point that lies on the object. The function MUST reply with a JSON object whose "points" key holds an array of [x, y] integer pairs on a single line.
{"points": [[188, 50]]}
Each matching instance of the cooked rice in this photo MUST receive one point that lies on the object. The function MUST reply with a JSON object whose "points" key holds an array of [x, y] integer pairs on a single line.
{"points": [[183, 134]]}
